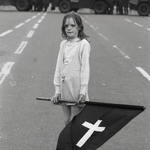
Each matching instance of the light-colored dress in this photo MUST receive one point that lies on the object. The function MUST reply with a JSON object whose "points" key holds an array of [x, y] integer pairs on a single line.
{"points": [[72, 70]]}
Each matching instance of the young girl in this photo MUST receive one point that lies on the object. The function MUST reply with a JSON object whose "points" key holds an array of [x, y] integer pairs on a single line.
{"points": [[72, 69]]}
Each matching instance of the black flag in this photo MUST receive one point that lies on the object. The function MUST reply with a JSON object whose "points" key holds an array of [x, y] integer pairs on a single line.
{"points": [[95, 125]]}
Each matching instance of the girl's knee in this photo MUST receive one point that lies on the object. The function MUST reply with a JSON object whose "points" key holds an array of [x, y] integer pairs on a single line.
{"points": [[66, 122], [75, 111], [67, 114]]}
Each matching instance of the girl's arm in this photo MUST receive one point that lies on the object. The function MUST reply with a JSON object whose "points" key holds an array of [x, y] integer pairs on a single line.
{"points": [[57, 70], [85, 67]]}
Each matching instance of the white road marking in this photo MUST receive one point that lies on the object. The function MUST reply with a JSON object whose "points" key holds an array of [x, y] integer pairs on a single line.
{"points": [[128, 20], [143, 72], [5, 71], [40, 20], [33, 17], [104, 37], [42, 17], [138, 24], [87, 22], [28, 20], [127, 57], [30, 34], [121, 52], [148, 29], [93, 27], [100, 34], [35, 26], [21, 47], [19, 25], [5, 33]]}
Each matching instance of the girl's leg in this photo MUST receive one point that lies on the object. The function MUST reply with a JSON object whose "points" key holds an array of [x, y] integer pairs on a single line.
{"points": [[67, 113], [75, 111]]}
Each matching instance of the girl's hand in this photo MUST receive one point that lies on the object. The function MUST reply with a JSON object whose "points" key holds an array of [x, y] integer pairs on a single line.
{"points": [[55, 98], [81, 99]]}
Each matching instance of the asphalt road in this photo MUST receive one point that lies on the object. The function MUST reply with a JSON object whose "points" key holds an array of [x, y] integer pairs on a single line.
{"points": [[120, 73]]}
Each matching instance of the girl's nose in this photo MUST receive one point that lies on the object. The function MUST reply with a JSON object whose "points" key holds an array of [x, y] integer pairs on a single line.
{"points": [[69, 27]]}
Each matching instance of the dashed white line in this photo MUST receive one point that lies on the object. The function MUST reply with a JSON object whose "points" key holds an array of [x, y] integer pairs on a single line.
{"points": [[127, 57], [100, 34], [5, 33], [114, 46], [5, 71], [128, 20], [40, 20], [148, 29], [30, 34], [93, 27], [21, 47], [33, 17], [42, 17], [19, 25], [7, 67], [143, 72], [121, 52], [28, 20], [104, 37], [35, 26], [140, 47], [138, 24], [87, 22]]}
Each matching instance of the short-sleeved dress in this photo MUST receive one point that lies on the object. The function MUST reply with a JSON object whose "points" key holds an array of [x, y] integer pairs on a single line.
{"points": [[72, 70]]}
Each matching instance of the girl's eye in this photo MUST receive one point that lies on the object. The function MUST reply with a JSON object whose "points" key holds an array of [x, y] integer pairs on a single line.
{"points": [[71, 25], [66, 26]]}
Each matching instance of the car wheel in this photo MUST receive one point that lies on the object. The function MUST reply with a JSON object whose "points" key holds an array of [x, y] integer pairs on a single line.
{"points": [[64, 6], [22, 5], [100, 7], [144, 9]]}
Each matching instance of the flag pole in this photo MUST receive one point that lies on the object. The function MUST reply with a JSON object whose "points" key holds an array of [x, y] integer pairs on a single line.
{"points": [[48, 99], [125, 106], [43, 98]]}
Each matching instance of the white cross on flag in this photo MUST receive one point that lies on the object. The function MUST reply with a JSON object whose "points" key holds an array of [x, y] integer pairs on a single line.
{"points": [[92, 128], [95, 125]]}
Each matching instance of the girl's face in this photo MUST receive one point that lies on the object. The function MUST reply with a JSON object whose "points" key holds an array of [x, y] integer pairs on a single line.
{"points": [[71, 28]]}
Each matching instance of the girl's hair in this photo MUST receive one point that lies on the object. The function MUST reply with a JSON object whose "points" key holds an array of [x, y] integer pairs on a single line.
{"points": [[79, 23]]}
